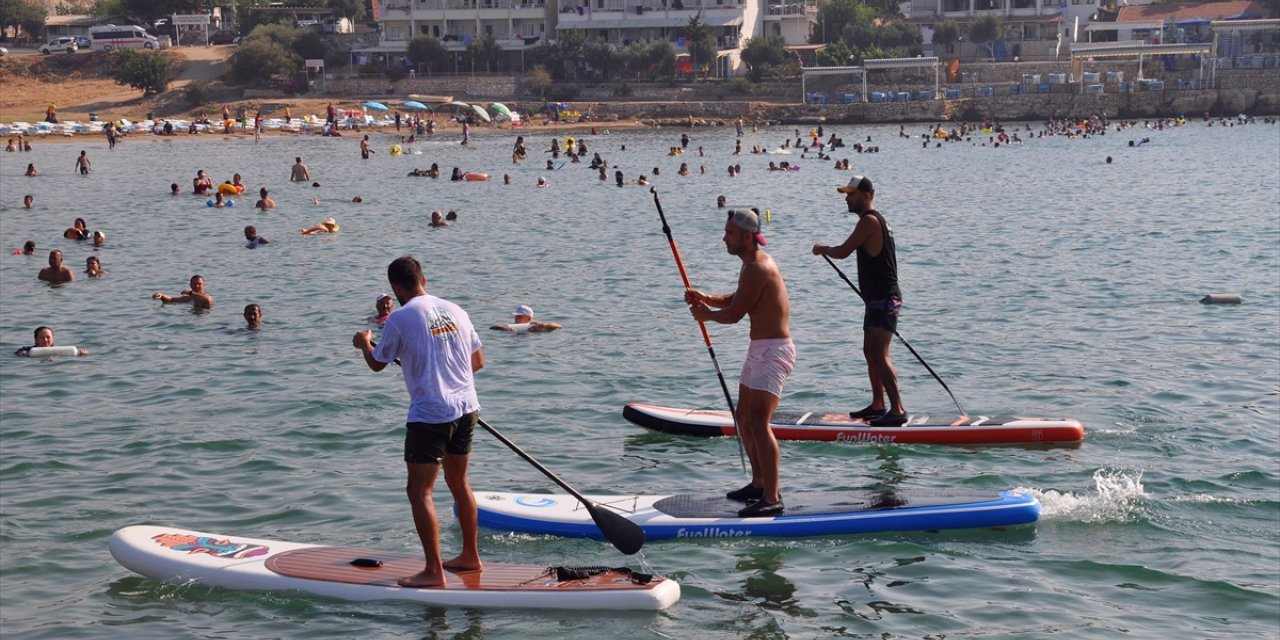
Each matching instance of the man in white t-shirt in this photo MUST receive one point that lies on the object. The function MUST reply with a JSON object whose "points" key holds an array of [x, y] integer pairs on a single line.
{"points": [[439, 350]]}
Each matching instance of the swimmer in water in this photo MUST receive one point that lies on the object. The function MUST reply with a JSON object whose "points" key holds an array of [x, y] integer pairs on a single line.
{"points": [[299, 173], [253, 317], [201, 184], [437, 220], [720, 201], [56, 272], [524, 315], [28, 201], [28, 248], [218, 202], [93, 267], [44, 338], [174, 190], [252, 238], [542, 182], [195, 295], [31, 170], [99, 238], [383, 305], [328, 225], [264, 201]]}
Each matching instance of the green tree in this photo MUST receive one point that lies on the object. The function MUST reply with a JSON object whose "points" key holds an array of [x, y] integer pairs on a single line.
{"points": [[353, 9], [946, 34], [835, 15], [761, 53], [22, 17], [148, 10], [540, 80], [150, 72], [986, 30], [485, 51], [836, 54], [257, 61], [278, 33], [426, 51], [567, 53], [603, 58], [700, 43]]}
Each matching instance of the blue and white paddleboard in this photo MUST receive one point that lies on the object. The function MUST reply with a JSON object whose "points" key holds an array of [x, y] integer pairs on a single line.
{"points": [[807, 514]]}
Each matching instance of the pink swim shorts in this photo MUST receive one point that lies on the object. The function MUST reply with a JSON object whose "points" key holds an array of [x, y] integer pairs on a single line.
{"points": [[768, 364]]}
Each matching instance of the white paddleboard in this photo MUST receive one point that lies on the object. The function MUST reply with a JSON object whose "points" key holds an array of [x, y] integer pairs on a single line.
{"points": [[232, 562]]}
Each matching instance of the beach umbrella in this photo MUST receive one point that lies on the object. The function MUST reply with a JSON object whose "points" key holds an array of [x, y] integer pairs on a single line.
{"points": [[484, 115], [415, 105], [498, 107], [459, 104], [375, 106]]}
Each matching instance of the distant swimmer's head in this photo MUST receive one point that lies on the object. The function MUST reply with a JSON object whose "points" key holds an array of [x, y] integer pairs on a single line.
{"points": [[523, 313], [383, 304], [542, 181], [99, 238], [357, 199], [452, 215], [28, 247], [720, 201], [315, 184], [44, 337], [173, 188], [330, 224]]}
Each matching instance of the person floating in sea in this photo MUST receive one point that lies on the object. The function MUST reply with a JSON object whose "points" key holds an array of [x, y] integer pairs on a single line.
{"points": [[762, 296], [437, 219], [439, 352], [77, 230], [383, 305], [252, 239], [201, 184], [28, 249], [872, 239], [195, 295], [28, 201], [93, 267], [264, 200], [31, 170], [328, 225], [524, 322], [253, 317], [44, 338], [56, 271]]}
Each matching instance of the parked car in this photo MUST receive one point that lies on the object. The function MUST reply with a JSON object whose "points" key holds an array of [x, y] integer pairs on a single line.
{"points": [[83, 42], [65, 43], [3, 52], [224, 37]]}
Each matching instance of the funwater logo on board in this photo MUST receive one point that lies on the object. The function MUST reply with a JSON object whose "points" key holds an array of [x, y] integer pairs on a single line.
{"points": [[863, 437], [712, 532]]}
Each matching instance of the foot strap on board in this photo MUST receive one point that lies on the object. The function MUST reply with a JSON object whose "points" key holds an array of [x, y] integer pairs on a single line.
{"points": [[564, 574]]}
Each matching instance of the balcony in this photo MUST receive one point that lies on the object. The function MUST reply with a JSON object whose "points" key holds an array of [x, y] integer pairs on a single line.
{"points": [[782, 10]]}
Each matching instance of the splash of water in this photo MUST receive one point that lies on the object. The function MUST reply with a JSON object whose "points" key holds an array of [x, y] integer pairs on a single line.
{"points": [[1115, 498]]}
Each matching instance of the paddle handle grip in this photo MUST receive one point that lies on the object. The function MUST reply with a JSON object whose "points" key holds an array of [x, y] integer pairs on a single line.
{"points": [[706, 337]]}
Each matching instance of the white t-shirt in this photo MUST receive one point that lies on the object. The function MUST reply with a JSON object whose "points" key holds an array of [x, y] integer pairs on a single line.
{"points": [[434, 340]]}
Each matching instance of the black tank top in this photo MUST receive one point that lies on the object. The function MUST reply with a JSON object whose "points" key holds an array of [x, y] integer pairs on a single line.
{"points": [[878, 275]]}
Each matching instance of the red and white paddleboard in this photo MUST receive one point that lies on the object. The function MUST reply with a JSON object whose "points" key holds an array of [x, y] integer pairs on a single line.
{"points": [[839, 427], [233, 562]]}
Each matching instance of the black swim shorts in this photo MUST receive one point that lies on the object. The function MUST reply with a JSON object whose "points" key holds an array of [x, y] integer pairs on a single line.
{"points": [[882, 314], [426, 443]]}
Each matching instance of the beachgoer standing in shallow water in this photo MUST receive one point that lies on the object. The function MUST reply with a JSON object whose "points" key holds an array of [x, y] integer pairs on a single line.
{"points": [[439, 352], [82, 163], [299, 172]]}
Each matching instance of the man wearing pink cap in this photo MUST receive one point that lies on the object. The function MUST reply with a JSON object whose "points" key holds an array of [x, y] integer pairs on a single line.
{"points": [[762, 295], [872, 238]]}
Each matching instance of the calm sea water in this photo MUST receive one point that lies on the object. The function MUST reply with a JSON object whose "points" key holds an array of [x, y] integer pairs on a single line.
{"points": [[1039, 280]]}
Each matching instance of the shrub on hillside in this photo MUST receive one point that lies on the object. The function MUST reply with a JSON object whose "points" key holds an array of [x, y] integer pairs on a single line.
{"points": [[149, 72]]}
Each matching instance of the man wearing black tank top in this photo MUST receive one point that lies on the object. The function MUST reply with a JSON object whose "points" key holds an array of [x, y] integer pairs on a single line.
{"points": [[872, 238]]}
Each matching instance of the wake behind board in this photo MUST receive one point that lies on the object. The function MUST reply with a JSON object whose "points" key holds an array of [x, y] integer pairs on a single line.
{"points": [[839, 427], [178, 555], [665, 517]]}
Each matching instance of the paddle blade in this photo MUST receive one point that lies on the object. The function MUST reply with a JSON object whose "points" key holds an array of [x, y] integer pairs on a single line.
{"points": [[625, 535]]}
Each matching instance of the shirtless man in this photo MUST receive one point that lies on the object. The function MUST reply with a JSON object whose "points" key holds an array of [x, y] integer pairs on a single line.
{"points": [[253, 316], [56, 272], [264, 201], [364, 148], [300, 173], [252, 239], [195, 295], [83, 165], [762, 296]]}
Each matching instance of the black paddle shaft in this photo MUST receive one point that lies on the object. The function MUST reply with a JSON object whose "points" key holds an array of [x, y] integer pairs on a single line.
{"points": [[624, 534], [904, 340]]}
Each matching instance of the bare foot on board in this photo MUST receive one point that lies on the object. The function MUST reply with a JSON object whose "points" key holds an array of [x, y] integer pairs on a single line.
{"points": [[462, 563], [421, 580]]}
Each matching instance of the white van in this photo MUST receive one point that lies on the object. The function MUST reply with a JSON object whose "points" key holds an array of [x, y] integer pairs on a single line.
{"points": [[108, 37]]}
